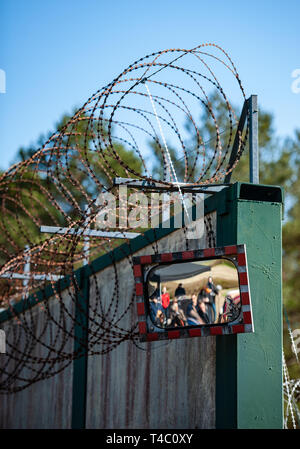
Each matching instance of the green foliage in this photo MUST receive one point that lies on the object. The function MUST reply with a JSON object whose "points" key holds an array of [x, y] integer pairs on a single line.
{"points": [[279, 165]]}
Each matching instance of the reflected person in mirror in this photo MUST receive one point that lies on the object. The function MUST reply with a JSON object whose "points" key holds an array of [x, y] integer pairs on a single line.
{"points": [[203, 296], [177, 317], [232, 307], [156, 312], [165, 301], [180, 291], [202, 309], [212, 291], [193, 317]]}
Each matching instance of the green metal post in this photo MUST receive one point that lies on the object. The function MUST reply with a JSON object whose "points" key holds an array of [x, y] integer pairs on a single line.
{"points": [[80, 348], [249, 367]]}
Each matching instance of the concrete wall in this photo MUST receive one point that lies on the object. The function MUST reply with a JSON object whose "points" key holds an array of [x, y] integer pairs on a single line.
{"points": [[152, 385], [156, 385], [46, 404]]}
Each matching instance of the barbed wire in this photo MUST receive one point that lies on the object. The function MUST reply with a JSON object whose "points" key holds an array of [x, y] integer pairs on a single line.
{"points": [[114, 134], [291, 386]]}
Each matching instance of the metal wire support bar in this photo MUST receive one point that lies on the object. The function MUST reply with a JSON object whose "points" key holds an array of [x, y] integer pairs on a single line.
{"points": [[28, 277], [253, 140], [89, 232], [170, 187], [250, 109]]}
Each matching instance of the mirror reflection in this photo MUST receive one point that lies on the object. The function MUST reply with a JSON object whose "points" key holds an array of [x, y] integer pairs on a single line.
{"points": [[193, 293]]}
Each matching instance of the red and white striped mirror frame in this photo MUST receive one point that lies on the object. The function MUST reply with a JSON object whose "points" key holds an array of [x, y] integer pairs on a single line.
{"points": [[235, 253]]}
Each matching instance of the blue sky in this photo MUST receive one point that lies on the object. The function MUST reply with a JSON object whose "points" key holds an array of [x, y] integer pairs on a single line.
{"points": [[57, 53]]}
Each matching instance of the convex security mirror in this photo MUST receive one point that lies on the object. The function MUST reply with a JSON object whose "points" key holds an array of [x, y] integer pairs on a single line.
{"points": [[193, 293]]}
